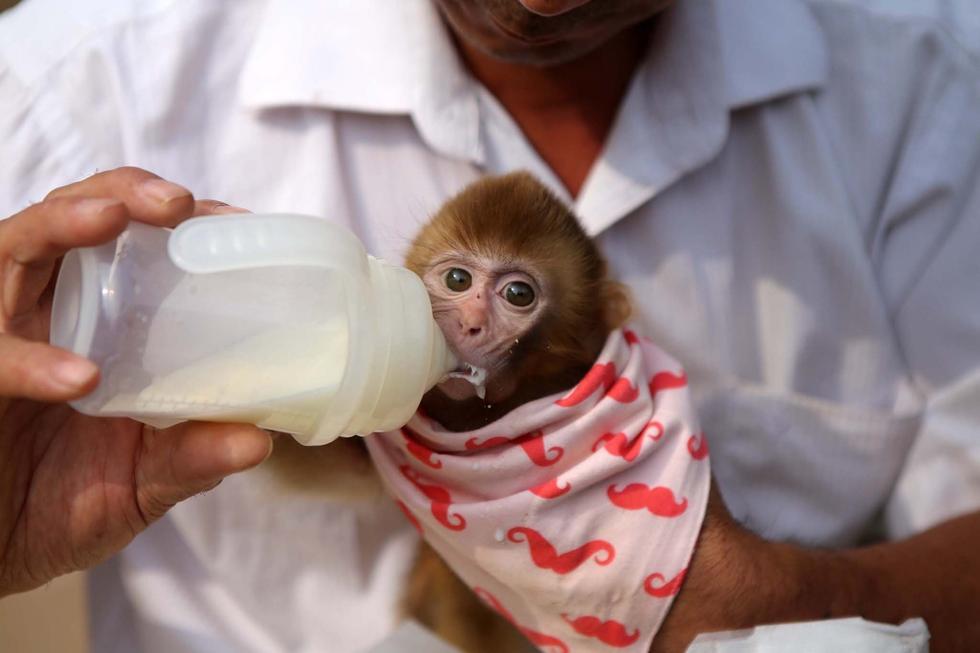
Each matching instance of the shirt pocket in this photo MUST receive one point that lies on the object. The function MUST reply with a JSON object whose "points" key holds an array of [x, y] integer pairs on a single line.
{"points": [[793, 467]]}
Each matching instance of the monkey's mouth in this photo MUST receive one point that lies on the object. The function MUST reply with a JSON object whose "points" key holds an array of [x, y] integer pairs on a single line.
{"points": [[476, 376]]}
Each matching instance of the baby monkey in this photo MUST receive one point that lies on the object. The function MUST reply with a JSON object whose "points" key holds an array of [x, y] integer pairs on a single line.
{"points": [[521, 291]]}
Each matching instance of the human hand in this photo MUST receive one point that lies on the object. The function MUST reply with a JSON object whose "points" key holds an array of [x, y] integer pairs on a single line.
{"points": [[75, 489], [738, 580], [735, 580]]}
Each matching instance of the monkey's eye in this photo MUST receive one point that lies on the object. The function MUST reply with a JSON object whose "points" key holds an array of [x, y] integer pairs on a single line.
{"points": [[519, 293], [458, 280]]}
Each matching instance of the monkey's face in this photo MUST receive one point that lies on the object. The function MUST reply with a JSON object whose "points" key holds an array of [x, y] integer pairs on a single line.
{"points": [[519, 289], [544, 32], [485, 307]]}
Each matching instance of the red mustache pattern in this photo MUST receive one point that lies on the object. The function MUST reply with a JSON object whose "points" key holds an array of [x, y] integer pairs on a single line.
{"points": [[419, 451], [473, 443], [657, 427], [657, 585], [540, 640], [666, 381], [532, 443], [408, 515], [623, 391], [439, 497], [631, 337], [658, 500], [545, 556], [551, 489], [619, 445], [602, 375], [609, 632], [697, 446]]}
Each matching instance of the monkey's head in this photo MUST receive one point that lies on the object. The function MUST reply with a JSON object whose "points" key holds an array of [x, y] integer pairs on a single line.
{"points": [[517, 288]]}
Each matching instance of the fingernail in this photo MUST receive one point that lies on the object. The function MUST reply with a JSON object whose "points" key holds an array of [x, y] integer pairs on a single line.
{"points": [[95, 205], [212, 486], [272, 447], [243, 454], [162, 191], [74, 373], [227, 208]]}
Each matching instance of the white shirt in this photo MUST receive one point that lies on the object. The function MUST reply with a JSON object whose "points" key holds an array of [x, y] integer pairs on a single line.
{"points": [[790, 190]]}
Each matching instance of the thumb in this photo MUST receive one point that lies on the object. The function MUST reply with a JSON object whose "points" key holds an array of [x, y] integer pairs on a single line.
{"points": [[179, 462]]}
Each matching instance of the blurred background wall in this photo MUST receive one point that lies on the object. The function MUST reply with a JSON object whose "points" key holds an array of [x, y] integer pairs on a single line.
{"points": [[50, 619]]}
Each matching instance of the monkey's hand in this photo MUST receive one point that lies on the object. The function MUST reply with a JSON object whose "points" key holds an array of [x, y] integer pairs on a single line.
{"points": [[76, 489]]}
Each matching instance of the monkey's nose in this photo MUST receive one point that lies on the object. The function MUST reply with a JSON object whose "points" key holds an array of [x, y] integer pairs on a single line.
{"points": [[467, 328], [472, 326], [472, 321]]}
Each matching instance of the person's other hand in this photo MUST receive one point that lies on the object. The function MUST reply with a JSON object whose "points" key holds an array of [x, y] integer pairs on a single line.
{"points": [[735, 580], [75, 489]]}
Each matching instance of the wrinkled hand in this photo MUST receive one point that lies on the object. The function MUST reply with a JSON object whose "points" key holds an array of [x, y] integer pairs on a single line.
{"points": [[738, 580], [75, 489], [735, 580]]}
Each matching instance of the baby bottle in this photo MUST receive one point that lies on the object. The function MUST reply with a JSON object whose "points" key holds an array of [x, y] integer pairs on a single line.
{"points": [[277, 320]]}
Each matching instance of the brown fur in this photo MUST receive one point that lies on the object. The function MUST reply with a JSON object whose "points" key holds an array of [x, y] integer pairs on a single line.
{"points": [[511, 218], [339, 471], [439, 600], [514, 218]]}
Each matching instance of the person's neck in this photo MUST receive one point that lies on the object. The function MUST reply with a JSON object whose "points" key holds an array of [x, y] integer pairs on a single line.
{"points": [[566, 110]]}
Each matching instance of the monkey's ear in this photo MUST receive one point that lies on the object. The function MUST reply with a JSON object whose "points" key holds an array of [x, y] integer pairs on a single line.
{"points": [[616, 304]]}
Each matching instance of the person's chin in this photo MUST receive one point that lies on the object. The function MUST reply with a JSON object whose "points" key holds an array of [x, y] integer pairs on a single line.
{"points": [[539, 55]]}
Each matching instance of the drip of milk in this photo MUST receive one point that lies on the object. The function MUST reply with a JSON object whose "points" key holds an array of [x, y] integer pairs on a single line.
{"points": [[278, 379], [475, 375]]}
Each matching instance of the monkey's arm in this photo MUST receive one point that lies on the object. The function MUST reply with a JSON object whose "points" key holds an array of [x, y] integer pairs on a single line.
{"points": [[738, 580], [340, 470], [439, 600]]}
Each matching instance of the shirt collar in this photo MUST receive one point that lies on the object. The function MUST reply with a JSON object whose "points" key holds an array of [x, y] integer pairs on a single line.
{"points": [[369, 56], [771, 48], [387, 57]]}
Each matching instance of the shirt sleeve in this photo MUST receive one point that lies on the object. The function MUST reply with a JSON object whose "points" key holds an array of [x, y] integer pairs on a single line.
{"points": [[926, 250]]}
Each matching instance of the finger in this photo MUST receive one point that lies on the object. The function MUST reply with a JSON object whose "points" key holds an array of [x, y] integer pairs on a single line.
{"points": [[45, 231], [230, 209], [32, 240], [185, 460], [33, 370], [214, 207], [149, 198]]}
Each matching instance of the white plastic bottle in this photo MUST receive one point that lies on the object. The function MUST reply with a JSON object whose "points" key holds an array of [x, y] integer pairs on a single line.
{"points": [[277, 320]]}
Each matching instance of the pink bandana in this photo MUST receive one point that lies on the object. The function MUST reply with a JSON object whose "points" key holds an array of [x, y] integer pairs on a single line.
{"points": [[573, 516]]}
